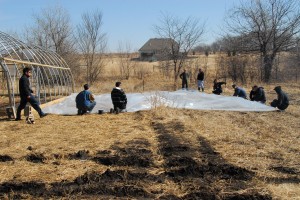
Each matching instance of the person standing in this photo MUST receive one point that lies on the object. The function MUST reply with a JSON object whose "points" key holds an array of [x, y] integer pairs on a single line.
{"points": [[118, 98], [258, 94], [184, 77], [26, 95], [217, 88], [282, 101], [239, 92], [85, 101], [200, 80]]}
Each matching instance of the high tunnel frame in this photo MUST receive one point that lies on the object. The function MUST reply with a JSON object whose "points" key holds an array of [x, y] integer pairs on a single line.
{"points": [[51, 77]]}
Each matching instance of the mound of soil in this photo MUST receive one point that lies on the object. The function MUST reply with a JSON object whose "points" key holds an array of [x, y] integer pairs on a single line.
{"points": [[36, 158], [5, 158]]}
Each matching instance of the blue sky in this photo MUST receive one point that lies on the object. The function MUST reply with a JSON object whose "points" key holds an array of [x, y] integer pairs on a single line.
{"points": [[126, 21]]}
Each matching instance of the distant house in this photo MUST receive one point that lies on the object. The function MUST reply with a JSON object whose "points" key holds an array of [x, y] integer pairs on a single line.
{"points": [[157, 49]]}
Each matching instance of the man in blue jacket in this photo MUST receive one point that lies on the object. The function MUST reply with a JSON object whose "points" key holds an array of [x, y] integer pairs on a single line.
{"points": [[85, 101], [239, 92], [26, 95]]}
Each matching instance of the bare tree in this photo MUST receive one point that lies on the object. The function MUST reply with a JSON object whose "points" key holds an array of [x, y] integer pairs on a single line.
{"points": [[265, 26], [183, 34], [52, 30], [92, 44], [292, 70], [126, 62]]}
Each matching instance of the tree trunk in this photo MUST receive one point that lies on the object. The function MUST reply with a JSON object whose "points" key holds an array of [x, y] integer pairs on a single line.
{"points": [[268, 64]]}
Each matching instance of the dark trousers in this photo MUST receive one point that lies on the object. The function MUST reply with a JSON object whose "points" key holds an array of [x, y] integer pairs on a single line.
{"points": [[185, 84], [275, 104], [217, 91], [34, 103], [119, 105]]}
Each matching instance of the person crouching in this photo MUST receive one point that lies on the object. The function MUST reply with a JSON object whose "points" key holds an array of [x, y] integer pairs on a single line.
{"points": [[282, 101], [85, 101]]}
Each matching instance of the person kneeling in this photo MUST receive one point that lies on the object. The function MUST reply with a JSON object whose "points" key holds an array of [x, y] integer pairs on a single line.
{"points": [[282, 101], [85, 101], [258, 94], [118, 98]]}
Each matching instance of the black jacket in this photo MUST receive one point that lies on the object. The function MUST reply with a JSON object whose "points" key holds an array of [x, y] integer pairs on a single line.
{"points": [[118, 96], [258, 95], [283, 99], [184, 76], [218, 85], [24, 86], [200, 76]]}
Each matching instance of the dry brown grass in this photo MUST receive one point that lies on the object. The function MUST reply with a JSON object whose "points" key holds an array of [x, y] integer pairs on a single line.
{"points": [[163, 153]]}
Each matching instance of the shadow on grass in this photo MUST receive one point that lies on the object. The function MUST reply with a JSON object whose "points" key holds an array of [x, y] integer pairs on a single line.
{"points": [[200, 172]]}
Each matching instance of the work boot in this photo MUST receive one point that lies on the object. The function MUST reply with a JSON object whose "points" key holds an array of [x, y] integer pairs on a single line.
{"points": [[43, 115], [118, 110]]}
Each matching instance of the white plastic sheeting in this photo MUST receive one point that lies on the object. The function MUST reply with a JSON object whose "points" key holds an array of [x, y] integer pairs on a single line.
{"points": [[191, 99]]}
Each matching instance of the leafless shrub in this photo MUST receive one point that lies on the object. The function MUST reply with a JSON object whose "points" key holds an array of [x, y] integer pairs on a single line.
{"points": [[126, 63], [92, 43], [266, 27], [184, 35]]}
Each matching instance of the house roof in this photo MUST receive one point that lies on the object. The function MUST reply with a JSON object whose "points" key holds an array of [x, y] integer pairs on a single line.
{"points": [[155, 44]]}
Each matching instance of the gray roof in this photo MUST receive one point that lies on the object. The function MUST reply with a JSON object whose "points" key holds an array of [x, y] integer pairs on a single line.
{"points": [[155, 44]]}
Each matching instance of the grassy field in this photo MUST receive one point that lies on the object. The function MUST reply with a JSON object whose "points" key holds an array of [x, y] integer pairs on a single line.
{"points": [[163, 153]]}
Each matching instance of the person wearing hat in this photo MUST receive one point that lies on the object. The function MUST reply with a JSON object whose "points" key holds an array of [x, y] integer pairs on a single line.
{"points": [[118, 98], [258, 94], [282, 101], [239, 92], [85, 101]]}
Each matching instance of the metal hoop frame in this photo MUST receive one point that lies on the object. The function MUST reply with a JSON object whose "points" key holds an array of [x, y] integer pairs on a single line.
{"points": [[51, 77]]}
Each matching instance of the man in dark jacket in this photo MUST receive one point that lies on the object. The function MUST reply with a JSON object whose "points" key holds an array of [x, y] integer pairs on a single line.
{"points": [[184, 77], [200, 79], [118, 98], [239, 92], [282, 101], [217, 88], [258, 94], [85, 101], [26, 95]]}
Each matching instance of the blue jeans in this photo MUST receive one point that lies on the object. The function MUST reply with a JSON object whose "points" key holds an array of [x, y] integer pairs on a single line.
{"points": [[82, 110], [34, 103]]}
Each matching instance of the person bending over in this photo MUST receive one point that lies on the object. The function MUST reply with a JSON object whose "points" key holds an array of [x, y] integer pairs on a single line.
{"points": [[258, 94], [217, 88], [239, 92]]}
